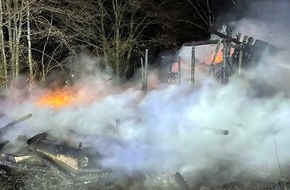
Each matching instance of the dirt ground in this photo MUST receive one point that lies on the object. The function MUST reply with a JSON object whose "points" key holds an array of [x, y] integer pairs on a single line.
{"points": [[28, 177]]}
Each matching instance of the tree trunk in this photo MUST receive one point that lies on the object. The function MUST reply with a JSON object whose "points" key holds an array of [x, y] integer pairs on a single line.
{"points": [[30, 61], [2, 44], [116, 8], [10, 38], [18, 28]]}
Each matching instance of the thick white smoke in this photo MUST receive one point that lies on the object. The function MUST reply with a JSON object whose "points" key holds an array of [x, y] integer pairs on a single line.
{"points": [[173, 128]]}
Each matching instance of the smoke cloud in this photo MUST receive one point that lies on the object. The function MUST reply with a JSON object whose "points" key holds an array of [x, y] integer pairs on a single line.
{"points": [[174, 128]]}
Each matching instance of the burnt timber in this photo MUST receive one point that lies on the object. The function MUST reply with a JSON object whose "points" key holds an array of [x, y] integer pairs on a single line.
{"points": [[247, 53]]}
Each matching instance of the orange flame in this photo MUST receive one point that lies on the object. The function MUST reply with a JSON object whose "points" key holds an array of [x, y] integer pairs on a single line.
{"points": [[219, 56], [56, 99]]}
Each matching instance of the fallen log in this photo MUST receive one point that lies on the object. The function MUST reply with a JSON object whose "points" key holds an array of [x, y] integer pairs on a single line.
{"points": [[70, 158], [7, 127]]}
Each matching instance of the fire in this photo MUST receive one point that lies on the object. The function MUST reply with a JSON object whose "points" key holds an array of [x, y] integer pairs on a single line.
{"points": [[219, 56], [56, 99]]}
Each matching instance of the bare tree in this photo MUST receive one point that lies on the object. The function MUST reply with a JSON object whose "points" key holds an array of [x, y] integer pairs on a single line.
{"points": [[119, 29], [204, 11], [60, 29], [36, 36], [12, 15], [3, 66]]}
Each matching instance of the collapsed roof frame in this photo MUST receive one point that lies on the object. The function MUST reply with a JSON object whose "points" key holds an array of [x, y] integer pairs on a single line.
{"points": [[247, 52]]}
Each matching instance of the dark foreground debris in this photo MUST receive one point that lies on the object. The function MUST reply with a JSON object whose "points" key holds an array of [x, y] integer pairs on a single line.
{"points": [[44, 162]]}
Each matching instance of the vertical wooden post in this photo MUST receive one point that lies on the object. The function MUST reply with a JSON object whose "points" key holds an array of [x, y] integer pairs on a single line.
{"points": [[226, 54], [192, 67], [142, 73], [217, 48], [224, 64], [241, 55], [145, 72], [240, 61], [142, 69], [179, 70]]}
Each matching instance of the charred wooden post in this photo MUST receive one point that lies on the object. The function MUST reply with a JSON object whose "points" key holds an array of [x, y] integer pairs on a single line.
{"points": [[7, 127], [224, 77], [224, 64], [145, 72], [146, 69], [223, 31], [200, 43], [192, 67], [179, 70], [217, 48], [241, 54], [142, 71]]}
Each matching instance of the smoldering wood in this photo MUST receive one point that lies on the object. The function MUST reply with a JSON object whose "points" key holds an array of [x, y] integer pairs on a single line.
{"points": [[192, 67], [18, 159], [217, 130], [67, 179], [112, 130], [142, 72], [226, 55], [240, 61], [252, 47], [179, 70], [71, 158], [224, 77], [101, 178], [4, 129], [37, 138], [224, 36], [145, 72], [200, 43], [247, 53], [217, 48], [71, 163], [180, 180], [10, 126], [3, 144]]}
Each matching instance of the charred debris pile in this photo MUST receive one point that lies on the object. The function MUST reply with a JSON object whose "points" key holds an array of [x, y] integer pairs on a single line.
{"points": [[239, 53], [45, 162]]}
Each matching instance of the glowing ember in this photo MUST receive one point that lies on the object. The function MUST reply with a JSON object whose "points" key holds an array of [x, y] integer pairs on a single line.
{"points": [[56, 99]]}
